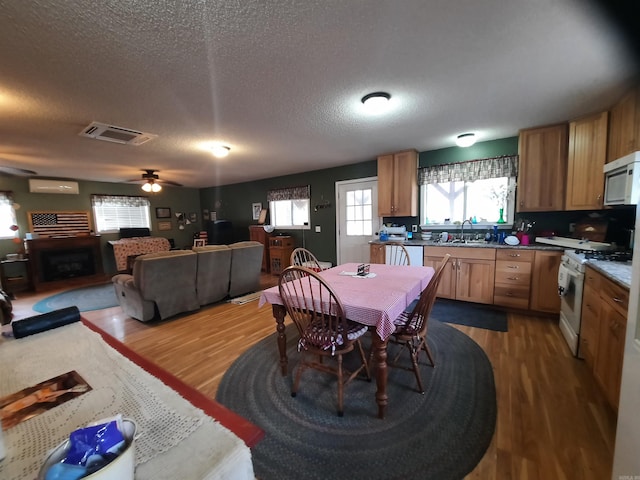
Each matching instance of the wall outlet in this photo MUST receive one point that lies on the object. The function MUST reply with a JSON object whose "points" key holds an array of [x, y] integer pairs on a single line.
{"points": [[414, 228], [318, 229], [572, 227]]}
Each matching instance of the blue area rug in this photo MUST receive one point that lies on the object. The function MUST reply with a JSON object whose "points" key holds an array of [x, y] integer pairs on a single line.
{"points": [[441, 435], [95, 297]]}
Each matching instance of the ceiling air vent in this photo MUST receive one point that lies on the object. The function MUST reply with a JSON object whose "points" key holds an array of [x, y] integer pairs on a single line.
{"points": [[111, 133]]}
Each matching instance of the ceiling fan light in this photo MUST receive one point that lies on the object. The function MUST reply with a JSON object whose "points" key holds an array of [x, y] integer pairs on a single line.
{"points": [[220, 151], [155, 188], [376, 102], [466, 139], [146, 187]]}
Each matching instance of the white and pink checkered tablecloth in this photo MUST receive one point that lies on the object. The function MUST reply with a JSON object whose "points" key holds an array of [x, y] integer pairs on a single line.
{"points": [[375, 301]]}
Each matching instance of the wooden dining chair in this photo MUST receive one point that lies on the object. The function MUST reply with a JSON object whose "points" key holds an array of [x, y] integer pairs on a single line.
{"points": [[304, 258], [396, 254], [324, 331], [411, 326]]}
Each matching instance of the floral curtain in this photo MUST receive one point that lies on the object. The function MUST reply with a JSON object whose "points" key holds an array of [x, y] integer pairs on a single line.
{"points": [[504, 166], [119, 201], [291, 193]]}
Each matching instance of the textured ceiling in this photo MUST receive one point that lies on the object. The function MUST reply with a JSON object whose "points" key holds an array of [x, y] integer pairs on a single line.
{"points": [[280, 81]]}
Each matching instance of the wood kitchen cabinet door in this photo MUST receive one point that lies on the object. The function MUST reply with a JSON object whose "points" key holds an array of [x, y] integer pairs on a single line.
{"points": [[376, 253], [447, 286], [544, 282], [608, 365], [590, 318], [543, 168], [624, 126], [587, 157], [398, 184], [475, 281]]}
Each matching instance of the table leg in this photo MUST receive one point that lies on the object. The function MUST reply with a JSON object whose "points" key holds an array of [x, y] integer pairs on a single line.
{"points": [[380, 362], [278, 313]]}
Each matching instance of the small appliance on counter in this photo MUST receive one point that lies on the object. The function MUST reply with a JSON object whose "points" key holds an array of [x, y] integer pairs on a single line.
{"points": [[395, 234]]}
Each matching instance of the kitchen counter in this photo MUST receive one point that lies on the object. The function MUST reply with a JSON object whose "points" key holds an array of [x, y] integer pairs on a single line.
{"points": [[424, 243], [619, 272]]}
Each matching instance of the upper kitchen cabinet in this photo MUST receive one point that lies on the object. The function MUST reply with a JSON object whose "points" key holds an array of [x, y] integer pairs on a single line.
{"points": [[398, 184], [587, 156], [543, 168], [624, 126]]}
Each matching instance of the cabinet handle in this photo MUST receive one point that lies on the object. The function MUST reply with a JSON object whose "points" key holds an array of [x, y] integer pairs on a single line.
{"points": [[512, 278], [616, 299], [514, 254], [513, 266]]}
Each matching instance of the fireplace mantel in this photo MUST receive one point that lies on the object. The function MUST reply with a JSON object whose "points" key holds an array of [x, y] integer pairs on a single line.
{"points": [[40, 249]]}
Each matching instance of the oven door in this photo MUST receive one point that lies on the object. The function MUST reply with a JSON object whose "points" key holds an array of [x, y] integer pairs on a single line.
{"points": [[570, 283]]}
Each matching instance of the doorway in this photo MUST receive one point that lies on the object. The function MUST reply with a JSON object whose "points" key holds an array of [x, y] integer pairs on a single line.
{"points": [[357, 219]]}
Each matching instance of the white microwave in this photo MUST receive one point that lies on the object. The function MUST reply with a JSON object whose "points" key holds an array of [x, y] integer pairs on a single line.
{"points": [[622, 180]]}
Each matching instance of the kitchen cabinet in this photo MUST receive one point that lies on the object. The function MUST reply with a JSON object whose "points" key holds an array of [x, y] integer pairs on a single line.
{"points": [[376, 253], [590, 318], [513, 277], [586, 159], [398, 184], [543, 168], [470, 274], [624, 125], [602, 331], [544, 282]]}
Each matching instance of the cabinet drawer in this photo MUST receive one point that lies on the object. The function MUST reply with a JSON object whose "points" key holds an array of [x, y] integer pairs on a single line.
{"points": [[592, 279], [520, 268], [516, 296], [616, 295], [513, 254], [512, 277]]}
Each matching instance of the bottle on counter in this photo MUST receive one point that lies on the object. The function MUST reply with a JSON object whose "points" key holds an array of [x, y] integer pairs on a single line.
{"points": [[488, 236]]}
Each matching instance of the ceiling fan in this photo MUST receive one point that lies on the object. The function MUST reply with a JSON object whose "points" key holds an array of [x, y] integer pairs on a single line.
{"points": [[15, 171], [152, 181]]}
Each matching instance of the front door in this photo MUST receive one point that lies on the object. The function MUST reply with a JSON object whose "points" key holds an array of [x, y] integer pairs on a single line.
{"points": [[357, 218]]}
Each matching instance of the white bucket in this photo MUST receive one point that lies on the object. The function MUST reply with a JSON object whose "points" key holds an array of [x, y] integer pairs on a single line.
{"points": [[122, 468]]}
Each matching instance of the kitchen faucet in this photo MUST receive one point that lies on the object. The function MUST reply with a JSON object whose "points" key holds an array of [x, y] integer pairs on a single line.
{"points": [[462, 228]]}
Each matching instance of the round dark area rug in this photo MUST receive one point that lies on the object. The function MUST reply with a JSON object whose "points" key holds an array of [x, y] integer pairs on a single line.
{"points": [[95, 297], [442, 434]]}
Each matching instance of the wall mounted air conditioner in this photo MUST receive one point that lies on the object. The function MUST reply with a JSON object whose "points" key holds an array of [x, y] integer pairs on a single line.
{"points": [[53, 186], [111, 133]]}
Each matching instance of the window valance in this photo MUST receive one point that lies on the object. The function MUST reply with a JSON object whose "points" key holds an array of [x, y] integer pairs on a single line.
{"points": [[119, 201], [481, 169], [291, 193]]}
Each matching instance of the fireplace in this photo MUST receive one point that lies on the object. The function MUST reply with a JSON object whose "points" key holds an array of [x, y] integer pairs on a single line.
{"points": [[62, 264], [58, 261]]}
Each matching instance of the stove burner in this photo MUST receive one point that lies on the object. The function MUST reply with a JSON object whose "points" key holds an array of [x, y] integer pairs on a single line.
{"points": [[610, 256]]}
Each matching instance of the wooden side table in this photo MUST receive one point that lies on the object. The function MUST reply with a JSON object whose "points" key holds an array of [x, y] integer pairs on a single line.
{"points": [[280, 249], [15, 275], [258, 234]]}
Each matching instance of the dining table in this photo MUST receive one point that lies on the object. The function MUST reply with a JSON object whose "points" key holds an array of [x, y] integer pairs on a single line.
{"points": [[375, 300]]}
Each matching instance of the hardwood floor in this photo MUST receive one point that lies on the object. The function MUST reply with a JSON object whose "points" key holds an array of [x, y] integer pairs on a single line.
{"points": [[553, 421]]}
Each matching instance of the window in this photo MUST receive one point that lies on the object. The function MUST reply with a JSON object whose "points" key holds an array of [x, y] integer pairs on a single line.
{"points": [[359, 212], [479, 190], [112, 212], [290, 207], [7, 216]]}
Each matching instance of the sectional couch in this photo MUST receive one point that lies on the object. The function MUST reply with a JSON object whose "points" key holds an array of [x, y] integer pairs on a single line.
{"points": [[164, 284]]}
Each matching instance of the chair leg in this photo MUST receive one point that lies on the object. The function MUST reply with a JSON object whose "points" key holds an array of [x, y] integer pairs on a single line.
{"points": [[365, 362], [427, 350], [296, 382], [340, 387], [414, 361]]}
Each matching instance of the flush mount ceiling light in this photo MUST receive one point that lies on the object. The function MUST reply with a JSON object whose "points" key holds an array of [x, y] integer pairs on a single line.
{"points": [[220, 151], [466, 139], [376, 102]]}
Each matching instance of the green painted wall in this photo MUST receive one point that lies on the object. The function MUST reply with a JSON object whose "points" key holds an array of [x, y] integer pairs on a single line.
{"points": [[179, 199]]}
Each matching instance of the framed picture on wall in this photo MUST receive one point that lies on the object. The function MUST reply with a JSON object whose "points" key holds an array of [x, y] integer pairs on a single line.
{"points": [[193, 217], [163, 212], [163, 226], [257, 208]]}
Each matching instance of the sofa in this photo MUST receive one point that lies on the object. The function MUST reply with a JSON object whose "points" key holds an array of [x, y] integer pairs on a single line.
{"points": [[164, 284]]}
